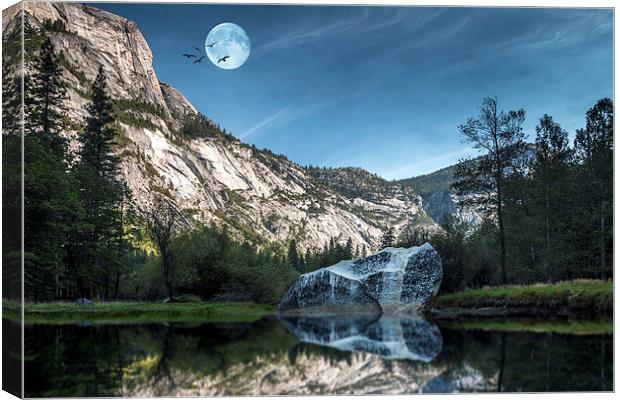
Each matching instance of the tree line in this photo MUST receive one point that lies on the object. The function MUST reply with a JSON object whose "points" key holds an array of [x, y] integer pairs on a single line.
{"points": [[75, 206], [548, 206]]}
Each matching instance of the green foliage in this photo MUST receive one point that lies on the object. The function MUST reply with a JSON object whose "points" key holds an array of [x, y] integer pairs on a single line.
{"points": [[571, 327], [51, 205], [430, 183], [198, 126], [114, 312], [330, 254], [208, 263], [57, 26], [73, 70], [12, 160], [577, 296], [550, 205], [388, 238]]}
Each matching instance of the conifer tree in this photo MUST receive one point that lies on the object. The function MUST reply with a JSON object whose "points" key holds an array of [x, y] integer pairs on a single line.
{"points": [[44, 97], [293, 255], [101, 192], [594, 184], [550, 173], [499, 136], [50, 197], [388, 238]]}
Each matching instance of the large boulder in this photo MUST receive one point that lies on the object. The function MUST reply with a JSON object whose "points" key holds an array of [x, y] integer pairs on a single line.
{"points": [[394, 280]]}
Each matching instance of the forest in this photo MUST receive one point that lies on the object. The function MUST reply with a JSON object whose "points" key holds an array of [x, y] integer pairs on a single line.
{"points": [[548, 207]]}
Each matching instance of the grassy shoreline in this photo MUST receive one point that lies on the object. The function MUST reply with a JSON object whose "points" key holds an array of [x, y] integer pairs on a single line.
{"points": [[580, 297], [138, 312], [589, 299], [562, 326]]}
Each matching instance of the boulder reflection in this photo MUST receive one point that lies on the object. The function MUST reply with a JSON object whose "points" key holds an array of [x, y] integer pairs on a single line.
{"points": [[390, 337]]}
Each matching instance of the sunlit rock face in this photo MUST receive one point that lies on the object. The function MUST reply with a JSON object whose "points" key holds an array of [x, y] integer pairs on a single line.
{"points": [[388, 337], [217, 179], [390, 281]]}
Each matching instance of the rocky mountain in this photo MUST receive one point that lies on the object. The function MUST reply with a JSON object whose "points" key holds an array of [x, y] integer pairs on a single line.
{"points": [[438, 199], [210, 175], [399, 205]]}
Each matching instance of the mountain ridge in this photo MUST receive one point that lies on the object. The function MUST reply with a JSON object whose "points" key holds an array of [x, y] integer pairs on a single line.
{"points": [[167, 146]]}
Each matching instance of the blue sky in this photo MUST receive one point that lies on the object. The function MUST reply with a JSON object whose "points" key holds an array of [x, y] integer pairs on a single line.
{"points": [[383, 88]]}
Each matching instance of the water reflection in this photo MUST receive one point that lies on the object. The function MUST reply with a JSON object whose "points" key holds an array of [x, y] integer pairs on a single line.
{"points": [[263, 358], [389, 337]]}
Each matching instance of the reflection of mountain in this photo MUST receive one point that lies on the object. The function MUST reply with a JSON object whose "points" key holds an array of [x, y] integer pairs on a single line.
{"points": [[262, 358], [386, 336]]}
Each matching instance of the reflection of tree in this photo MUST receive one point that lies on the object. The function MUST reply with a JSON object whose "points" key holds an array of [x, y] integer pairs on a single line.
{"points": [[162, 378], [158, 360], [502, 361]]}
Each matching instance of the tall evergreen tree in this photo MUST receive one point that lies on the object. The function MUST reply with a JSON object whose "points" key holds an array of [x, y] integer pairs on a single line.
{"points": [[293, 256], [499, 136], [594, 151], [12, 158], [44, 100], [550, 175], [50, 197], [101, 193]]}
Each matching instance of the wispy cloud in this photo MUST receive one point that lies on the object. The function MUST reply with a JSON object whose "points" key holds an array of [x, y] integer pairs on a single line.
{"points": [[364, 20], [279, 114], [428, 164], [569, 30]]}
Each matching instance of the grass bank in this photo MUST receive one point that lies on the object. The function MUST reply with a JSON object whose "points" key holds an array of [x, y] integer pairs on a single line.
{"points": [[573, 327], [592, 297], [136, 312]]}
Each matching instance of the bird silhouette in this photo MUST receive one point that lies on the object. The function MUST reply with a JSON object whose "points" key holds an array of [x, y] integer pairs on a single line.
{"points": [[223, 59], [212, 44], [189, 55], [199, 60], [198, 50]]}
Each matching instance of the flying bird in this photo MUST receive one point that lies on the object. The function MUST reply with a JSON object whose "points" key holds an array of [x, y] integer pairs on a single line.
{"points": [[212, 44], [223, 59], [189, 55], [198, 50], [199, 60]]}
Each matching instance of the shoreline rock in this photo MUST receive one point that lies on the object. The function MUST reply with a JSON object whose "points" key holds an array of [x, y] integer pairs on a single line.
{"points": [[392, 281]]}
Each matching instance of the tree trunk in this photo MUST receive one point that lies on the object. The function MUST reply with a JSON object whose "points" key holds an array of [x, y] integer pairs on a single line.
{"points": [[502, 362], [167, 265], [502, 235], [602, 239], [548, 237]]}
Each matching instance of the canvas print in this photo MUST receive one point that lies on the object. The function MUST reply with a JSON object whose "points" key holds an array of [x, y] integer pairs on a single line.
{"points": [[219, 200]]}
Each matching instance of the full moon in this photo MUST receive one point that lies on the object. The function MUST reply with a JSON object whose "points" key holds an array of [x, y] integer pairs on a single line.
{"points": [[228, 46]]}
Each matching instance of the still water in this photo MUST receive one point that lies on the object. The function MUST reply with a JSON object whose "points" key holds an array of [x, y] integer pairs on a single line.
{"points": [[357, 355]]}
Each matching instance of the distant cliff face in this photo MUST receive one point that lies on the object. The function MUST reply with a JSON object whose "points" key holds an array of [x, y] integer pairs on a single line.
{"points": [[215, 179]]}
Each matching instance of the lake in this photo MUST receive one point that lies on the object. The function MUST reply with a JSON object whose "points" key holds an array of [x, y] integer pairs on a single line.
{"points": [[355, 355]]}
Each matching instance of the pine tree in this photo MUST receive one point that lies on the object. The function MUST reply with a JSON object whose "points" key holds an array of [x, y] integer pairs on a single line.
{"points": [[50, 197], [388, 238], [44, 97], [348, 250], [499, 136], [293, 256], [11, 169], [550, 174], [101, 193], [594, 184]]}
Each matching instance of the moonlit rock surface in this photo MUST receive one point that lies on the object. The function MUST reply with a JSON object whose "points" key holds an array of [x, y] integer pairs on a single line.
{"points": [[388, 337], [393, 280]]}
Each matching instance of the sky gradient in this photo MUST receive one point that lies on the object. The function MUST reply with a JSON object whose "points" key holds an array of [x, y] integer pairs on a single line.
{"points": [[382, 88]]}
